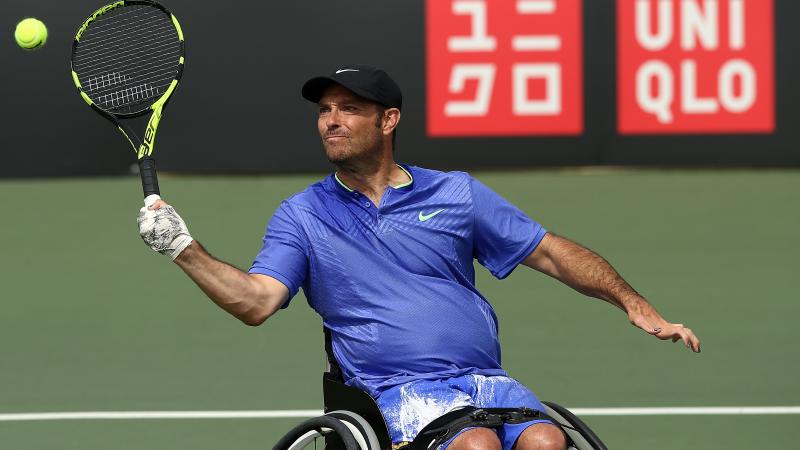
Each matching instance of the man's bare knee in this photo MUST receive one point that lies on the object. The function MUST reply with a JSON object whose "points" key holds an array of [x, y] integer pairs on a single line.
{"points": [[541, 436], [476, 439]]}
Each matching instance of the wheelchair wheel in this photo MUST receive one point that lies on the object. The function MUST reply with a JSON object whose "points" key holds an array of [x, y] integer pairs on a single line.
{"points": [[343, 430], [581, 437]]}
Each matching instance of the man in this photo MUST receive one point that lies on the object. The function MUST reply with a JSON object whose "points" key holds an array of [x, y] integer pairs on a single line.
{"points": [[384, 254]]}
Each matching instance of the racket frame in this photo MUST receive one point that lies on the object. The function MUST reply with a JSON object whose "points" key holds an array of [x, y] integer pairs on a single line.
{"points": [[142, 147]]}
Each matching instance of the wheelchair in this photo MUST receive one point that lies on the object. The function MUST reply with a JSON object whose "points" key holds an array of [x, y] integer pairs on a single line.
{"points": [[353, 421]]}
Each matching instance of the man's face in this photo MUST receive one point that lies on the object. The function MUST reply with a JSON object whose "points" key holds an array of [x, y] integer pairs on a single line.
{"points": [[350, 127]]}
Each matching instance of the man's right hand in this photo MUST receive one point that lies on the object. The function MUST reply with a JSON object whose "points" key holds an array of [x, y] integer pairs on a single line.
{"points": [[162, 229]]}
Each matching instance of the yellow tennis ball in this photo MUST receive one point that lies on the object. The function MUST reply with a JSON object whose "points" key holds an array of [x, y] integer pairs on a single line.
{"points": [[30, 34]]}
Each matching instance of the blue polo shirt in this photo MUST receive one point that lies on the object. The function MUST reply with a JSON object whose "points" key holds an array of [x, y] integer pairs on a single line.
{"points": [[395, 283]]}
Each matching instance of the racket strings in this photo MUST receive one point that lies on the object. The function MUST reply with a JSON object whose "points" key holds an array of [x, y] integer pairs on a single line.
{"points": [[127, 58], [118, 14], [157, 52], [146, 33], [119, 26], [148, 53]]}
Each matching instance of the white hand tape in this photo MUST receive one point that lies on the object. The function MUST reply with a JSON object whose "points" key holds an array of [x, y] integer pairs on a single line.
{"points": [[151, 199]]}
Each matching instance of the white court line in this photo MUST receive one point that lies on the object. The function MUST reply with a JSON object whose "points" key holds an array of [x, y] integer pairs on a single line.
{"points": [[300, 413], [137, 415], [687, 411]]}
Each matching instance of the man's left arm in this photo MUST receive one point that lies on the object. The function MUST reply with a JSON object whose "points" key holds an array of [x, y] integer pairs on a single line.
{"points": [[590, 274]]}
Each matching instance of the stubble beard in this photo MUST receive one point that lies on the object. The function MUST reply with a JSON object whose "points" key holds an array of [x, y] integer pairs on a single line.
{"points": [[342, 153], [338, 152]]}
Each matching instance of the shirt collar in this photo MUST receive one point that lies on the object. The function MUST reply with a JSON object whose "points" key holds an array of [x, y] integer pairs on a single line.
{"points": [[340, 186]]}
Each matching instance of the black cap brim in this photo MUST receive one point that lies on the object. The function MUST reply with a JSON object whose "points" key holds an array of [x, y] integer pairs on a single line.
{"points": [[315, 87]]}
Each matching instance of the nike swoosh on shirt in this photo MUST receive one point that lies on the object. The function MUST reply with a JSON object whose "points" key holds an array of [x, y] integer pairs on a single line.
{"points": [[346, 70], [424, 217]]}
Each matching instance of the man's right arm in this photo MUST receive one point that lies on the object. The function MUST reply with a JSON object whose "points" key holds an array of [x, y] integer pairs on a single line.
{"points": [[251, 298]]}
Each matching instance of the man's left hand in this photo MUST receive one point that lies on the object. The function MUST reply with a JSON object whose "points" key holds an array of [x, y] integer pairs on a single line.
{"points": [[650, 321]]}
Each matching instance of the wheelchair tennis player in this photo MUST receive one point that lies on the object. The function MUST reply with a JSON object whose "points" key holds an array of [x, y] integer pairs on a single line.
{"points": [[384, 253]]}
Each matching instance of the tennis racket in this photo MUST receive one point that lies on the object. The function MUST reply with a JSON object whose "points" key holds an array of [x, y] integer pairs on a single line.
{"points": [[127, 60]]}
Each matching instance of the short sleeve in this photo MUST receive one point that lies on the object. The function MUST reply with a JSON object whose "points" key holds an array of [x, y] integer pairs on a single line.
{"points": [[503, 235], [283, 255]]}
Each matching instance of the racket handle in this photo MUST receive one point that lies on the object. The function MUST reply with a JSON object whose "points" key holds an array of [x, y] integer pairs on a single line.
{"points": [[147, 169]]}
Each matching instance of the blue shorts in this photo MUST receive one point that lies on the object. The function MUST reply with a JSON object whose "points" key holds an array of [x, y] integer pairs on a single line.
{"points": [[409, 407]]}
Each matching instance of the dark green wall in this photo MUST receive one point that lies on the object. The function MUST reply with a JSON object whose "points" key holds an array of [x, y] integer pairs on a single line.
{"points": [[238, 109]]}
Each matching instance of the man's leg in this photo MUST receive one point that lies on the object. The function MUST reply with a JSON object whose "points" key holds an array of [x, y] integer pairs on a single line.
{"points": [[541, 436], [476, 439], [505, 392], [523, 436]]}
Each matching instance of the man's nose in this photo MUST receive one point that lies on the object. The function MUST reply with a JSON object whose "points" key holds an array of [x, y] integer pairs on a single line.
{"points": [[332, 120]]}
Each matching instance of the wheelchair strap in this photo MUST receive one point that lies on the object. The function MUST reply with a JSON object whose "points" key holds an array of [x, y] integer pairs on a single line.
{"points": [[445, 427]]}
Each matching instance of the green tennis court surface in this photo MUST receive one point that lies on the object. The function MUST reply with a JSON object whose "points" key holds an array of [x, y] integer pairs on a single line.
{"points": [[94, 321]]}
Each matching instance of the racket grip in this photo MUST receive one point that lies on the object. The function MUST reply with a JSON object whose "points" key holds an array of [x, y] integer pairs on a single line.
{"points": [[147, 169]]}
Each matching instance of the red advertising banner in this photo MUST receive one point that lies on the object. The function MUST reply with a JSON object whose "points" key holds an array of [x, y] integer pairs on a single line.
{"points": [[695, 66], [504, 67]]}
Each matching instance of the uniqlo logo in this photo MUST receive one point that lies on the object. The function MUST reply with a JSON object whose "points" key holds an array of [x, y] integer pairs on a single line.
{"points": [[699, 66], [504, 67]]}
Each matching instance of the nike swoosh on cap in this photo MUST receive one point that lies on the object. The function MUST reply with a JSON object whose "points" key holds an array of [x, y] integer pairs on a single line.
{"points": [[346, 70], [424, 217]]}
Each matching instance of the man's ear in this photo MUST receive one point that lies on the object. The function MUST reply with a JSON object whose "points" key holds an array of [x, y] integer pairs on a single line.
{"points": [[391, 118]]}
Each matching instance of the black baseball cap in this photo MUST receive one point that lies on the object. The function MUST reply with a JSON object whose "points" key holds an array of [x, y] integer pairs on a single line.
{"points": [[365, 81]]}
